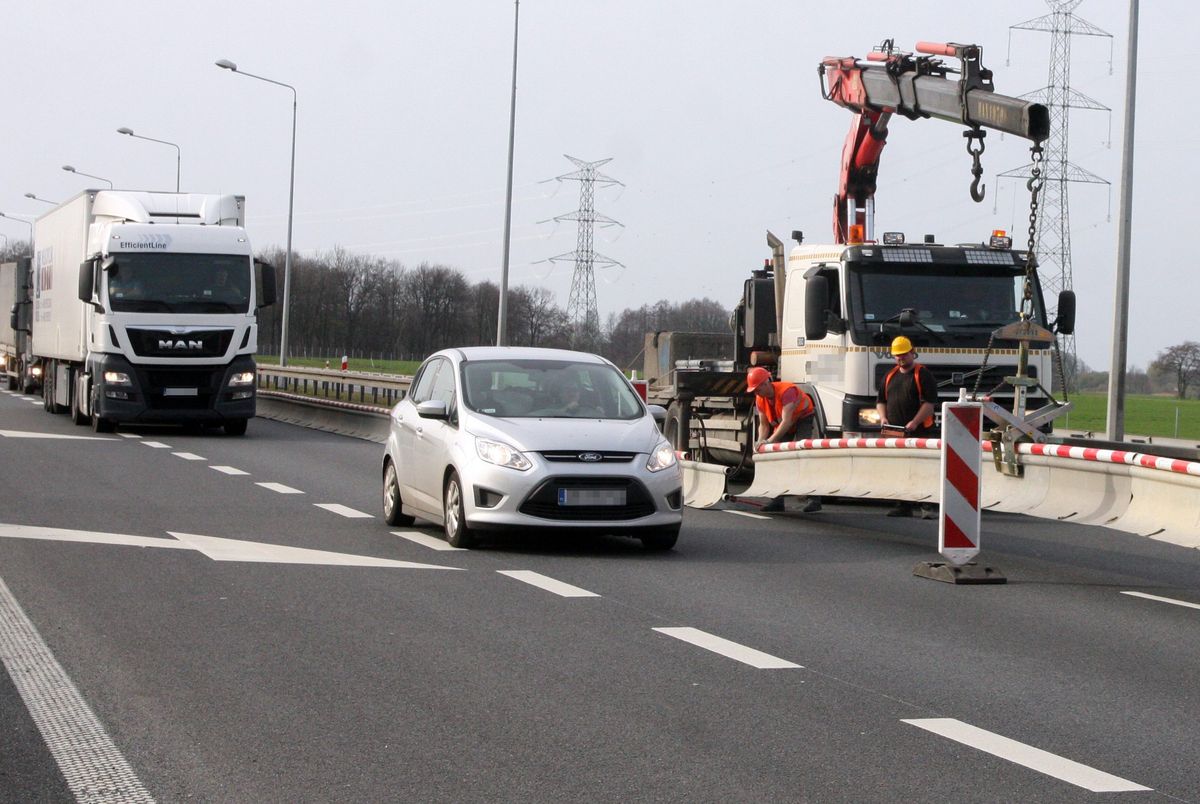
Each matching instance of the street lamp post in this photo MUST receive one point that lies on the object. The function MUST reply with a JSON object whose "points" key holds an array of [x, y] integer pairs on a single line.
{"points": [[43, 200], [226, 64], [178, 154], [27, 223], [502, 311], [70, 169]]}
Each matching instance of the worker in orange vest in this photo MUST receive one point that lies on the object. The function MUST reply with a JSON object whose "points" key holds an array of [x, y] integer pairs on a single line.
{"points": [[906, 400], [784, 413]]}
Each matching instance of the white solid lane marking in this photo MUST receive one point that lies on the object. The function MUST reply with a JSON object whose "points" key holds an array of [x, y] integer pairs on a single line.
{"points": [[156, 445], [1026, 755], [237, 550], [87, 536], [549, 584], [189, 456], [229, 470], [342, 510], [1172, 601], [425, 540], [747, 513], [26, 434], [129, 435], [279, 487], [731, 650], [91, 764]]}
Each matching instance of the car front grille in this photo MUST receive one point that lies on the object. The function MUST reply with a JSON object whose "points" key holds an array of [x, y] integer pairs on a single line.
{"points": [[594, 456], [543, 502]]}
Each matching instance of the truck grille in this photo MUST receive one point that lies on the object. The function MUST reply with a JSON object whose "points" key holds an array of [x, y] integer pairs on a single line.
{"points": [[543, 502], [164, 343]]}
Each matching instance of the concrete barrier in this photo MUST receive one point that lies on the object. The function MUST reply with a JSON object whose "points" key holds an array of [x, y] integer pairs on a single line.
{"points": [[344, 418]]}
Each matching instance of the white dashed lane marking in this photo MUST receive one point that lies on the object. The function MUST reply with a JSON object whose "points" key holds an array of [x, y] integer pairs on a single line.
{"points": [[747, 514], [229, 470], [128, 435], [549, 584], [425, 540], [1026, 755], [279, 487], [189, 456], [1172, 601], [342, 510], [730, 650], [156, 445]]}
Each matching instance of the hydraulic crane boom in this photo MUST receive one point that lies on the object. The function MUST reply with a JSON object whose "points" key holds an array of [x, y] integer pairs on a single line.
{"points": [[894, 82]]}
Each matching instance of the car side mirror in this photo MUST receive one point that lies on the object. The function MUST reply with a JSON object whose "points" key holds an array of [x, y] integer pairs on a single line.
{"points": [[434, 409], [816, 294], [659, 413]]}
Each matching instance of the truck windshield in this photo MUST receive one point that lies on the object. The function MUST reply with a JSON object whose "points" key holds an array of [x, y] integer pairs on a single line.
{"points": [[179, 283], [953, 305]]}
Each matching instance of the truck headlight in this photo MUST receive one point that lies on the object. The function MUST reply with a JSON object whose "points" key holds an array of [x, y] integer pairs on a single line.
{"points": [[868, 416], [242, 378], [661, 457], [501, 454], [116, 378]]}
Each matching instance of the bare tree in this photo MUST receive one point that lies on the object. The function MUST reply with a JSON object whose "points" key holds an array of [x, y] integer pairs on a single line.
{"points": [[1181, 363]]}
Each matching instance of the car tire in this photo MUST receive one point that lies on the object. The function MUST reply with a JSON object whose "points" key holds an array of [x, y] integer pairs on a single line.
{"points": [[236, 427], [663, 538], [455, 515], [393, 511]]}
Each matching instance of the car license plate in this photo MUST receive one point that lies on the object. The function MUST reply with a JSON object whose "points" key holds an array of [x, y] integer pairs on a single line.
{"points": [[181, 392], [591, 496]]}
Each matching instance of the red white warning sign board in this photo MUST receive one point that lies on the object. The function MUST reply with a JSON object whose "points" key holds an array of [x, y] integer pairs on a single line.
{"points": [[962, 466]]}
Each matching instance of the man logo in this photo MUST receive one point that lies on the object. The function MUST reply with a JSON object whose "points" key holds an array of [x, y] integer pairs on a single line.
{"points": [[180, 346], [590, 457]]}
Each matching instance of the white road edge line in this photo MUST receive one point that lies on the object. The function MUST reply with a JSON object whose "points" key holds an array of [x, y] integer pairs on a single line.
{"points": [[549, 584], [425, 540], [342, 510], [1172, 601], [1033, 758], [280, 488], [730, 650], [229, 470], [746, 513], [90, 762]]}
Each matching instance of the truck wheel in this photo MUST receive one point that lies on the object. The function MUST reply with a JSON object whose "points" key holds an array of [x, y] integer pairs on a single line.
{"points": [[236, 427], [77, 415], [671, 427]]}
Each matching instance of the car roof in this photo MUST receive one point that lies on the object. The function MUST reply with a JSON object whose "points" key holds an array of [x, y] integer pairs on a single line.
{"points": [[470, 353]]}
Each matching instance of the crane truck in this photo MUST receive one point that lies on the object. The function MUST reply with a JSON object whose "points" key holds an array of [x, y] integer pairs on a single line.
{"points": [[145, 309], [824, 315]]}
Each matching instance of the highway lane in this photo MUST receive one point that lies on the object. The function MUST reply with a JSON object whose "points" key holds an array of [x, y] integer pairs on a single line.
{"points": [[273, 682]]}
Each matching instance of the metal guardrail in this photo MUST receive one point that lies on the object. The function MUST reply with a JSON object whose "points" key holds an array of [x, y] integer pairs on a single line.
{"points": [[379, 390]]}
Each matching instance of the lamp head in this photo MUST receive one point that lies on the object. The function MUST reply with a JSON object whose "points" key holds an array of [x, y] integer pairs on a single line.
{"points": [[226, 64], [69, 168], [124, 130]]}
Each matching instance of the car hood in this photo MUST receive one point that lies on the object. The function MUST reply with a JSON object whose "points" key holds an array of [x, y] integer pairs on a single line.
{"points": [[540, 435]]}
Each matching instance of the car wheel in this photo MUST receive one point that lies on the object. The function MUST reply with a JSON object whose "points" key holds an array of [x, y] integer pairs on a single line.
{"points": [[454, 513], [236, 427], [663, 538], [392, 509]]}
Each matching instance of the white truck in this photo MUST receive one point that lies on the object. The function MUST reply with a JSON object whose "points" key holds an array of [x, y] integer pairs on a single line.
{"points": [[823, 316], [20, 371], [145, 309]]}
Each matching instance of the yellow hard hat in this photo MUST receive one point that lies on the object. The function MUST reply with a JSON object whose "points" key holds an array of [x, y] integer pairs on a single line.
{"points": [[901, 345]]}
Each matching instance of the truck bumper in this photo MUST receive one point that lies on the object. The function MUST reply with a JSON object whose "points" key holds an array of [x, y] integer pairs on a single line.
{"points": [[170, 393]]}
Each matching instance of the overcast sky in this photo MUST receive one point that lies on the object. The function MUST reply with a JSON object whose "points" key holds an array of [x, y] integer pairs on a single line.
{"points": [[710, 112]]}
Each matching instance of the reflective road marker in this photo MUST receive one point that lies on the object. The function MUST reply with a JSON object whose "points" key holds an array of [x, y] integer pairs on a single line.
{"points": [[1033, 758], [731, 650]]}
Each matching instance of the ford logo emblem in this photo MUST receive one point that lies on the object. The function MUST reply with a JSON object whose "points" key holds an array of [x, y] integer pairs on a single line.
{"points": [[590, 457]]}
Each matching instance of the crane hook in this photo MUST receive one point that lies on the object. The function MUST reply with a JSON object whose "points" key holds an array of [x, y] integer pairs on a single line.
{"points": [[976, 136]]}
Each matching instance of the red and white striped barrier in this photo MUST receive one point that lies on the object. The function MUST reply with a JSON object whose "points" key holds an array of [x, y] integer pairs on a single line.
{"points": [[962, 481], [852, 443]]}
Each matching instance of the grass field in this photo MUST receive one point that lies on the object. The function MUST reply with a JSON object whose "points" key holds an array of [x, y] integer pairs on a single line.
{"points": [[1144, 415]]}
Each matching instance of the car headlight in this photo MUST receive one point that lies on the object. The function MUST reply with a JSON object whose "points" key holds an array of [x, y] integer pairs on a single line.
{"points": [[661, 457], [868, 416], [501, 454], [116, 378], [242, 378]]}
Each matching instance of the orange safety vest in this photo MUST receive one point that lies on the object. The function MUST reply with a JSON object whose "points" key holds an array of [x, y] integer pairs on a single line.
{"points": [[772, 409], [916, 367]]}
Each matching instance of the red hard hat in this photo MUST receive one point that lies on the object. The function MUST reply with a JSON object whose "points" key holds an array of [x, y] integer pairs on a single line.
{"points": [[756, 377]]}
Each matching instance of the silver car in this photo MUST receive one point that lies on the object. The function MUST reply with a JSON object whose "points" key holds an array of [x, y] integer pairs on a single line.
{"points": [[503, 437]]}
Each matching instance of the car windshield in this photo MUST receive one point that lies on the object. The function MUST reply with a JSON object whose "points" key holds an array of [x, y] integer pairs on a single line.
{"points": [[549, 389], [179, 283]]}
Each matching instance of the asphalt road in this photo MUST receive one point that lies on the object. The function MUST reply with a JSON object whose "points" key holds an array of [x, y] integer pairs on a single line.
{"points": [[230, 668]]}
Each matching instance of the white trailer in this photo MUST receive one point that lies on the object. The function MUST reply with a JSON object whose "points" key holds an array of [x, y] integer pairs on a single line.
{"points": [[16, 365], [145, 309]]}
